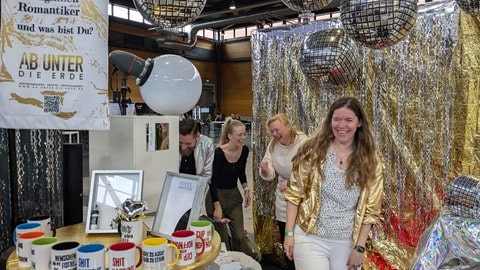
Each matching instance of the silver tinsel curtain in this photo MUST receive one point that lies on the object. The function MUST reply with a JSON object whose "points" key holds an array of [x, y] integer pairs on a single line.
{"points": [[5, 203], [422, 98], [31, 163]]}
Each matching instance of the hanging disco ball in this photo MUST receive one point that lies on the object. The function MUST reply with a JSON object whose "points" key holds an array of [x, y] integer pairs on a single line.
{"points": [[330, 56], [471, 7], [463, 196], [378, 23], [170, 13], [306, 5]]}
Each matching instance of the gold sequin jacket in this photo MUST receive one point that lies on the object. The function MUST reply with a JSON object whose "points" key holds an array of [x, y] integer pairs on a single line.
{"points": [[304, 189]]}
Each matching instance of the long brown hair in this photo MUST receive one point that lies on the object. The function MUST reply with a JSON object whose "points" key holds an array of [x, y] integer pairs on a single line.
{"points": [[363, 160], [286, 122]]}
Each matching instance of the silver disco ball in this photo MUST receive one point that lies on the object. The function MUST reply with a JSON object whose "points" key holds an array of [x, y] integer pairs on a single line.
{"points": [[463, 196], [306, 5], [378, 23], [471, 7], [170, 13], [330, 56]]}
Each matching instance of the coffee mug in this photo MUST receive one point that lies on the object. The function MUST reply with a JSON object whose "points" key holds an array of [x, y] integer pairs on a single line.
{"points": [[24, 244], [63, 255], [23, 228], [122, 256], [45, 224], [132, 231], [158, 254], [203, 230], [41, 252], [91, 257], [185, 241]]}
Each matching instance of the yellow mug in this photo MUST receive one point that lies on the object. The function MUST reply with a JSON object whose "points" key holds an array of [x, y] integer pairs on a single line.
{"points": [[157, 253]]}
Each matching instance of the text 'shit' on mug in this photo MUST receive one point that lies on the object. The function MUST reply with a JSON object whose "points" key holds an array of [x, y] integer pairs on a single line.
{"points": [[91, 257], [185, 241], [122, 256]]}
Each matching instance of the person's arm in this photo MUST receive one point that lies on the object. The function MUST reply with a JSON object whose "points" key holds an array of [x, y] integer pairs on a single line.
{"points": [[371, 217], [243, 177], [295, 194], [216, 171], [209, 156], [266, 170], [289, 242]]}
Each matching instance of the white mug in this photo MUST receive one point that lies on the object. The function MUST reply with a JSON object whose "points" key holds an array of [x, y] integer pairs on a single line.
{"points": [[185, 241], [158, 254], [24, 244], [41, 252], [63, 256], [23, 228], [45, 223], [123, 256], [132, 231], [91, 257], [203, 230]]}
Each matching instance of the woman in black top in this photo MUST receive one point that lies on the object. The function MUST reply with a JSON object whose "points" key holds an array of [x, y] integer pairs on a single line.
{"points": [[229, 164]]}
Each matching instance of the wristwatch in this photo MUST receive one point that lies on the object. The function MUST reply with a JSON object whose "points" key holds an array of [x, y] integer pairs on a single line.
{"points": [[360, 249]]}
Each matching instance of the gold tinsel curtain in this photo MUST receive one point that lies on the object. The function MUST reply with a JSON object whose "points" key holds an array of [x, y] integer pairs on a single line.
{"points": [[422, 98]]}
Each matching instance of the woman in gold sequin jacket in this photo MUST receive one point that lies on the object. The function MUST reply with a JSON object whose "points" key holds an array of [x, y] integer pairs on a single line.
{"points": [[334, 192]]}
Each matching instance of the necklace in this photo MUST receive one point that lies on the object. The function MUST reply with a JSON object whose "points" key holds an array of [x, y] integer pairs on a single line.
{"points": [[342, 157]]}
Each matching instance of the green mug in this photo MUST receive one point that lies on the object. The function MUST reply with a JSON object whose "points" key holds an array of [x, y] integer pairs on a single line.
{"points": [[203, 229]]}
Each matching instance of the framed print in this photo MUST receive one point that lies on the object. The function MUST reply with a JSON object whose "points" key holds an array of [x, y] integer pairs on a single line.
{"points": [[180, 203], [108, 190]]}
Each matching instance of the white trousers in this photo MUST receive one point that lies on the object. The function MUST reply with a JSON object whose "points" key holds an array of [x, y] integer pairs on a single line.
{"points": [[311, 252]]}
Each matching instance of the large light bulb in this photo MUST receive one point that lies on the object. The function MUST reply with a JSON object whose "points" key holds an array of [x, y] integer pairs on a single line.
{"points": [[173, 87], [169, 84]]}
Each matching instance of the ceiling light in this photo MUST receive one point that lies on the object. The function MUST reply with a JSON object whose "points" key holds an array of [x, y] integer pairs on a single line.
{"points": [[232, 5]]}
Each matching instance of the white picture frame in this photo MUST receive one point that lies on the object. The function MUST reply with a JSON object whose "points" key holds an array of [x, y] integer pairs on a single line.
{"points": [[108, 190], [180, 203]]}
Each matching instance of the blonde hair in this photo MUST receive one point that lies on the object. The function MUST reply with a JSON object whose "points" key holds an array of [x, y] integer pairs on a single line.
{"points": [[363, 160], [228, 127], [286, 122]]}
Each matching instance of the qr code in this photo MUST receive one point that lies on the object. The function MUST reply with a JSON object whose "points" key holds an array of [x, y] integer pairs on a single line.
{"points": [[51, 104]]}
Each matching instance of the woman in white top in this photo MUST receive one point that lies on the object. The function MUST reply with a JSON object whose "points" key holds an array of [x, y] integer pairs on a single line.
{"points": [[277, 163]]}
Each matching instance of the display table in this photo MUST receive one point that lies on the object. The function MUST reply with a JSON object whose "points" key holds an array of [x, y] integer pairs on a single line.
{"points": [[77, 233]]}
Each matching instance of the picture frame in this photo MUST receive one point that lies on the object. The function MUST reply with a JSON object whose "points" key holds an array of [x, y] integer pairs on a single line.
{"points": [[109, 189], [180, 203]]}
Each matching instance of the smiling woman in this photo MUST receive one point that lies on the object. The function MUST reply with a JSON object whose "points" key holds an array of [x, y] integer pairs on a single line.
{"points": [[277, 164], [225, 200], [334, 195]]}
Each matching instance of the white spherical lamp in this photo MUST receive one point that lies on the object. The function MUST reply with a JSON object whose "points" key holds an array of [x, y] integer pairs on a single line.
{"points": [[173, 87]]}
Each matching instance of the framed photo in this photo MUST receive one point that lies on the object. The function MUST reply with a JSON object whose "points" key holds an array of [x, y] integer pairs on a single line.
{"points": [[108, 190], [180, 203]]}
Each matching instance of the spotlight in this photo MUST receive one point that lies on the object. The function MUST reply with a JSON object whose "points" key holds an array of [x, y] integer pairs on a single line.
{"points": [[169, 84], [232, 5]]}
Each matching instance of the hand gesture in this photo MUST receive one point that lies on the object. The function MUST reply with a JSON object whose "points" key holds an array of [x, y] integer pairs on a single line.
{"points": [[288, 246], [264, 167], [247, 199]]}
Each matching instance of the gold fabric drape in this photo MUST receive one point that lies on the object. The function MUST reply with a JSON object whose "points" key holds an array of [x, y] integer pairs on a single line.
{"points": [[422, 98]]}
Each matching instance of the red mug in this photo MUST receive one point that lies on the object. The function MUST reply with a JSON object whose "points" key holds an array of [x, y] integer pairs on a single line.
{"points": [[185, 241], [122, 256]]}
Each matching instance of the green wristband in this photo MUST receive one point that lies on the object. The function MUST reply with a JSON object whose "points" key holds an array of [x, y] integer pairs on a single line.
{"points": [[287, 233]]}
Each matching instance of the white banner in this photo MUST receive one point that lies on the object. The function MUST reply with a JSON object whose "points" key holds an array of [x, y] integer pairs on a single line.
{"points": [[54, 64]]}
